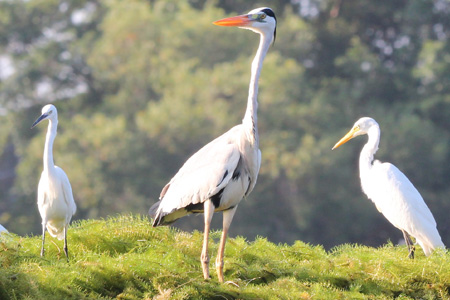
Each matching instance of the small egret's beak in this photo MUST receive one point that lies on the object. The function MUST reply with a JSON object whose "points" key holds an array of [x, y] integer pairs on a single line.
{"points": [[242, 20], [346, 138], [42, 117]]}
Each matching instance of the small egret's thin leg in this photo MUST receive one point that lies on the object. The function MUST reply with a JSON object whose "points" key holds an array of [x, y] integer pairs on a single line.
{"points": [[66, 251], [409, 243], [227, 218], [43, 238], [204, 257]]}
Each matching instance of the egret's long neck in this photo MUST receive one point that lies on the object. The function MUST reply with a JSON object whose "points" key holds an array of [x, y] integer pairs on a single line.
{"points": [[369, 149], [250, 120], [48, 149]]}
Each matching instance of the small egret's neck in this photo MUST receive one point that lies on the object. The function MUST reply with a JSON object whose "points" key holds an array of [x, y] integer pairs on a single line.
{"points": [[250, 120], [369, 149], [48, 149]]}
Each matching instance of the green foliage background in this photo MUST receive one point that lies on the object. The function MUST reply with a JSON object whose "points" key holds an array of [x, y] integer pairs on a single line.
{"points": [[141, 85]]}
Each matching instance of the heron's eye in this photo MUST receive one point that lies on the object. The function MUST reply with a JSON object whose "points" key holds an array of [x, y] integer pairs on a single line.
{"points": [[50, 112], [263, 16]]}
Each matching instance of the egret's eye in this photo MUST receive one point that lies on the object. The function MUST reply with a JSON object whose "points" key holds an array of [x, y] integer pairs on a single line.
{"points": [[50, 112], [263, 16]]}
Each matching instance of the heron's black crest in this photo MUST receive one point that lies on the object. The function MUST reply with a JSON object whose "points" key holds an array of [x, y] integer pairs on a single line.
{"points": [[270, 13]]}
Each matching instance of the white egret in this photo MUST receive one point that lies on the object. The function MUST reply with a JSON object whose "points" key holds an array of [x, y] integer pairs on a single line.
{"points": [[55, 198], [220, 174], [392, 192]]}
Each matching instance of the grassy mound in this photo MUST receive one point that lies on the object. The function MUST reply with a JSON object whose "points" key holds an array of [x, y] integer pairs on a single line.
{"points": [[125, 258]]}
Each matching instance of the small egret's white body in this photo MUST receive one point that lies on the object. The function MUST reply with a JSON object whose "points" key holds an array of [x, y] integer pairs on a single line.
{"points": [[219, 175], [3, 229], [392, 192], [55, 199]]}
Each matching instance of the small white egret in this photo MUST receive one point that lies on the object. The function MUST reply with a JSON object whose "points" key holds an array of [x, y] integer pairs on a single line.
{"points": [[220, 174], [55, 198], [392, 192]]}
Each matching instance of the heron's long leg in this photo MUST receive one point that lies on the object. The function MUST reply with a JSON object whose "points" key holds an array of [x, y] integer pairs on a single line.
{"points": [[227, 218], [43, 238], [409, 243], [204, 257], [66, 251]]}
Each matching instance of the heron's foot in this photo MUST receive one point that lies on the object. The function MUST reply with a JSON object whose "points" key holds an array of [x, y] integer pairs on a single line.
{"points": [[204, 259], [411, 252], [219, 269], [42, 252], [206, 273]]}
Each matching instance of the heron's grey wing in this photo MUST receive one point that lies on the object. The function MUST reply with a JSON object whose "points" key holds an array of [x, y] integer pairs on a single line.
{"points": [[154, 208], [201, 177]]}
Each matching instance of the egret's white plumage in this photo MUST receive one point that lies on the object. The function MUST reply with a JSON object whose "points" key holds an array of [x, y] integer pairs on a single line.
{"points": [[220, 174], [55, 199], [392, 192]]}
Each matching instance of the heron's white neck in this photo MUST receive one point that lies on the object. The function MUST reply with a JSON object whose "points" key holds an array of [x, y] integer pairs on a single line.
{"points": [[369, 149], [250, 120], [48, 149]]}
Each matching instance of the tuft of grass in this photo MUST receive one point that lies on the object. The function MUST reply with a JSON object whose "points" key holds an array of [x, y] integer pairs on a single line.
{"points": [[123, 257]]}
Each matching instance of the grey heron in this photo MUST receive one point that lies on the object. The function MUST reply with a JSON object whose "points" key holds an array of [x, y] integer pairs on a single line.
{"points": [[220, 174]]}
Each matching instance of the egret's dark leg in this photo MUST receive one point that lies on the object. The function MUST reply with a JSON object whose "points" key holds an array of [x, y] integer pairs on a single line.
{"points": [[208, 207], [43, 238], [409, 243], [66, 251], [227, 218]]}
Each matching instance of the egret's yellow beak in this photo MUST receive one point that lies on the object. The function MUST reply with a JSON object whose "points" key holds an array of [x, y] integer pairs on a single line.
{"points": [[347, 137], [241, 20]]}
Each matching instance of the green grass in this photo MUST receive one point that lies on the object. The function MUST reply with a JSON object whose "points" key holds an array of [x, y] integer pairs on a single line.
{"points": [[125, 258]]}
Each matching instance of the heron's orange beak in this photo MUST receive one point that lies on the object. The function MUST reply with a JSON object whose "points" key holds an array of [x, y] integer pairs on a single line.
{"points": [[346, 137], [241, 20]]}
